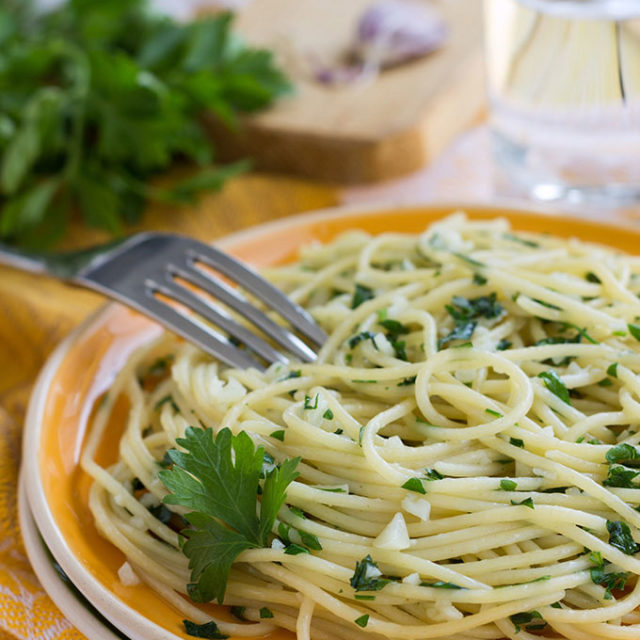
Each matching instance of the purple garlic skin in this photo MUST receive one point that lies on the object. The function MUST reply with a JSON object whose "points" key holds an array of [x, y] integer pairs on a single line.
{"points": [[391, 32]]}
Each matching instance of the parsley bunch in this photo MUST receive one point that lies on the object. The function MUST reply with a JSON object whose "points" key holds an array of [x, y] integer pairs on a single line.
{"points": [[98, 97]]}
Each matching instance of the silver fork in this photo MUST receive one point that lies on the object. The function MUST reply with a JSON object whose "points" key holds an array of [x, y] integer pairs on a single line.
{"points": [[148, 272]]}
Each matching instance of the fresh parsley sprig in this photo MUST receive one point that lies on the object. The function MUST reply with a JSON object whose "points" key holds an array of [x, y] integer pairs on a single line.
{"points": [[97, 98], [218, 477]]}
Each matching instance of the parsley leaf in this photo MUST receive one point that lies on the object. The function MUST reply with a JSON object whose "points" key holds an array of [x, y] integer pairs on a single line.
{"points": [[218, 478]]}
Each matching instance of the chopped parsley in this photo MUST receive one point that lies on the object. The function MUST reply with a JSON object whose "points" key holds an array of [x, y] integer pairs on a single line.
{"points": [[609, 580], [634, 330], [432, 474], [439, 584], [620, 476], [266, 613], [524, 241], [414, 484], [612, 370], [503, 345], [479, 279], [363, 620], [308, 404], [530, 620], [508, 485], [553, 382], [207, 630], [620, 537], [394, 328], [517, 442], [328, 414], [527, 502], [360, 337], [592, 277], [278, 435], [623, 454], [466, 311], [361, 294], [366, 576], [491, 412]]}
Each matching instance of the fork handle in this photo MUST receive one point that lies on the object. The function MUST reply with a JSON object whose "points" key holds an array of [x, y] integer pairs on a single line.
{"points": [[24, 260]]}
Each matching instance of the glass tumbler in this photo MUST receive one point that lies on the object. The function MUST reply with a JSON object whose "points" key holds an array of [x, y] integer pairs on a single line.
{"points": [[564, 89]]}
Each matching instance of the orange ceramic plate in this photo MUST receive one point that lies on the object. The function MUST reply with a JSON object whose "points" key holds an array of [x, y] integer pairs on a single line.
{"points": [[82, 368]]}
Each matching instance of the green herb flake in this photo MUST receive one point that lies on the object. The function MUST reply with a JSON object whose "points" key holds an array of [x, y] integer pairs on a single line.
{"points": [[612, 370], [468, 259], [553, 382], [634, 330], [163, 401], [517, 442], [406, 382], [527, 502], [432, 474], [362, 621], [310, 540], [508, 485], [366, 576], [439, 584], [592, 277], [491, 412], [620, 537], [361, 294], [328, 414], [414, 484], [605, 382], [503, 345], [207, 630], [361, 337], [530, 620], [361, 597], [266, 613], [394, 328], [278, 435], [619, 333], [479, 279], [297, 512], [238, 612], [295, 549], [620, 476], [623, 454], [523, 241]]}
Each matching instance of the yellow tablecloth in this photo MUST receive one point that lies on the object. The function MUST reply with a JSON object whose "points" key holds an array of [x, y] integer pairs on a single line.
{"points": [[37, 312]]}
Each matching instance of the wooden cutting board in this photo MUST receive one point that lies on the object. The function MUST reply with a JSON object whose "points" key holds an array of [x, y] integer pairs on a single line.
{"points": [[367, 131]]}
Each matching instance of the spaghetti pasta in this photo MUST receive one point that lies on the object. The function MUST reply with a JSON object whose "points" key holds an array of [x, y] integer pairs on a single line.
{"points": [[467, 442]]}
